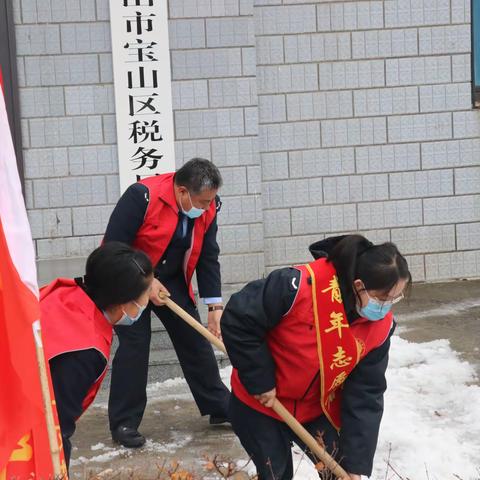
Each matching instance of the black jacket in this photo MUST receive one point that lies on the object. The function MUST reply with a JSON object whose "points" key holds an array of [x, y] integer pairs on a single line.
{"points": [[258, 308], [73, 374], [128, 216]]}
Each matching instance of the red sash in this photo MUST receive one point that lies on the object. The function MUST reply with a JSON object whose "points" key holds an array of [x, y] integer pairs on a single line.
{"points": [[338, 349]]}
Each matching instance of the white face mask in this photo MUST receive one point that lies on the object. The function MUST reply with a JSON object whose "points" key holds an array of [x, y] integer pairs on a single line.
{"points": [[194, 212], [127, 320]]}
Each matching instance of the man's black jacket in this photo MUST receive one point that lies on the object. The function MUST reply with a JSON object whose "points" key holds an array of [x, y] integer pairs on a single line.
{"points": [[128, 216]]}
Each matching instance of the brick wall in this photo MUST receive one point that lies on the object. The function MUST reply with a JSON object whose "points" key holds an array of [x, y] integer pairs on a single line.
{"points": [[324, 117], [215, 111], [366, 124], [68, 123]]}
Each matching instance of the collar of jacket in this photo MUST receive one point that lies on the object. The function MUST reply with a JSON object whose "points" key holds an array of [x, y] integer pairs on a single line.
{"points": [[166, 192]]}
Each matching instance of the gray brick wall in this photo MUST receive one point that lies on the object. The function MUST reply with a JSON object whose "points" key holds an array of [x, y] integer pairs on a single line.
{"points": [[67, 108], [215, 110], [365, 123], [325, 117], [66, 101]]}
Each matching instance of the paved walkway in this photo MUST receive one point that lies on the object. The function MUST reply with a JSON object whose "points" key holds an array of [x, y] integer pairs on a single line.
{"points": [[176, 432]]}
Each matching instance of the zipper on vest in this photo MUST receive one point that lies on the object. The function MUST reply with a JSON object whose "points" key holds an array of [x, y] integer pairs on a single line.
{"points": [[310, 385]]}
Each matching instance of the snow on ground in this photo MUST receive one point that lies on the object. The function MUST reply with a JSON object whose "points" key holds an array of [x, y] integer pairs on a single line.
{"points": [[109, 453], [170, 447], [431, 425], [432, 414], [97, 446]]}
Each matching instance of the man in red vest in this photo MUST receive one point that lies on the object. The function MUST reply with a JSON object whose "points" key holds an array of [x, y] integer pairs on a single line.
{"points": [[173, 219]]}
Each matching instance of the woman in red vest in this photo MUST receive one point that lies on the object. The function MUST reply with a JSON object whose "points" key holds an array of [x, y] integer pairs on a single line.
{"points": [[316, 337], [77, 318]]}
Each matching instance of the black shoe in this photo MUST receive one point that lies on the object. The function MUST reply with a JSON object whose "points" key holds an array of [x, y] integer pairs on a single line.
{"points": [[128, 437], [218, 420]]}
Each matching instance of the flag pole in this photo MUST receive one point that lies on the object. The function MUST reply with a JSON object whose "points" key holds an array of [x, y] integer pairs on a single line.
{"points": [[47, 403]]}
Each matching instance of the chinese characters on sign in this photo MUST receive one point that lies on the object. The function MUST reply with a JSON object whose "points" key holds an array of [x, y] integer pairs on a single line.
{"points": [[143, 96]]}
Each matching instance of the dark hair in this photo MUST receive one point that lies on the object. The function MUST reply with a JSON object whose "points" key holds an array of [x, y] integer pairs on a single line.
{"points": [[116, 274], [379, 267], [197, 175]]}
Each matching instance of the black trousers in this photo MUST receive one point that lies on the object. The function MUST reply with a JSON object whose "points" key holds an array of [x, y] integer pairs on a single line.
{"points": [[128, 397], [268, 441]]}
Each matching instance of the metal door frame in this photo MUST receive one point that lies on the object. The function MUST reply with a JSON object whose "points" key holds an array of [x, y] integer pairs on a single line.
{"points": [[8, 64]]}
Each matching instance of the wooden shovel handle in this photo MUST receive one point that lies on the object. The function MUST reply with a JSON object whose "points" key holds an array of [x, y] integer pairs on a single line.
{"points": [[320, 453], [194, 323], [279, 409]]}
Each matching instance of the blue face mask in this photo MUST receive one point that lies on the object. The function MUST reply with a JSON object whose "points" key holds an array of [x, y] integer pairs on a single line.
{"points": [[127, 320], [374, 310], [194, 212]]}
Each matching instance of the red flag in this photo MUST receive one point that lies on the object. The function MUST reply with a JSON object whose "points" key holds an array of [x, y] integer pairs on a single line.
{"points": [[24, 445]]}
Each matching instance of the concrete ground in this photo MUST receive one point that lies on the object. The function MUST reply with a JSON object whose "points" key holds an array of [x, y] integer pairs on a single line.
{"points": [[444, 310], [176, 432]]}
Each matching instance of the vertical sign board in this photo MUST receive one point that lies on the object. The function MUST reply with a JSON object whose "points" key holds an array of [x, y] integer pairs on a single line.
{"points": [[143, 92]]}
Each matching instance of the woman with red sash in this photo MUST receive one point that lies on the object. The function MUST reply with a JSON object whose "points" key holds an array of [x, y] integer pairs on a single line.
{"points": [[77, 318], [316, 337]]}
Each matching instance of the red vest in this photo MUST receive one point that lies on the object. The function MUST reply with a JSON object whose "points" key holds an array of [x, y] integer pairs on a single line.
{"points": [[160, 223], [71, 322], [315, 349]]}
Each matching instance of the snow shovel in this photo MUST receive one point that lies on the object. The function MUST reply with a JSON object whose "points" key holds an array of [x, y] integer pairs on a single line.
{"points": [[278, 408]]}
